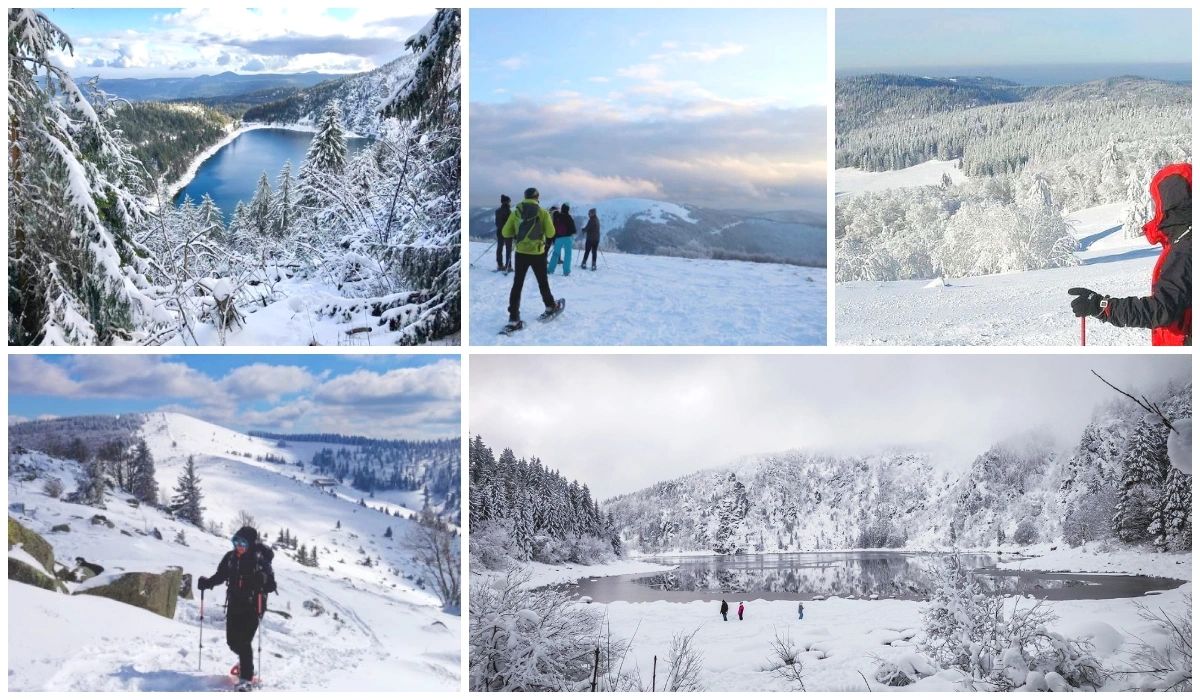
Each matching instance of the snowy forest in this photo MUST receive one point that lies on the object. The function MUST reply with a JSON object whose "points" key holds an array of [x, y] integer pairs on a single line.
{"points": [[521, 510], [98, 255], [1030, 156], [1116, 486]]}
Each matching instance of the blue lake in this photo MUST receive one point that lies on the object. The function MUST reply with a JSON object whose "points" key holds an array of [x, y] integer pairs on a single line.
{"points": [[231, 174]]}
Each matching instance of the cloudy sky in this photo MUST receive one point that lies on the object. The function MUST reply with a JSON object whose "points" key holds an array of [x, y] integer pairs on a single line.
{"points": [[623, 422], [388, 397], [154, 43], [893, 40], [724, 108]]}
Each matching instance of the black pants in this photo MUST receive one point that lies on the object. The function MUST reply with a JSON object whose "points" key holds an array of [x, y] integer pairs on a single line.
{"points": [[725, 616], [524, 263], [590, 247], [503, 252], [240, 626]]}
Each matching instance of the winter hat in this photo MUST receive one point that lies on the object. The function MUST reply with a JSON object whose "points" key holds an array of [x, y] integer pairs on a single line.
{"points": [[531, 193], [247, 533], [566, 207], [504, 199]]}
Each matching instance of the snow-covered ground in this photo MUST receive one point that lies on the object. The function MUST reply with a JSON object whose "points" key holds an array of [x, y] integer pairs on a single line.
{"points": [[655, 300], [848, 181], [1020, 308], [389, 631], [843, 636], [296, 319]]}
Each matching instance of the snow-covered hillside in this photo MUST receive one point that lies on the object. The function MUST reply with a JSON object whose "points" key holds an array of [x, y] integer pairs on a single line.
{"points": [[361, 96], [1020, 308], [801, 501], [851, 181], [655, 300], [365, 618]]}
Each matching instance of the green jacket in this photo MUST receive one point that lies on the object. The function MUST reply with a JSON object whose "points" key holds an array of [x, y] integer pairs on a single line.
{"points": [[538, 228]]}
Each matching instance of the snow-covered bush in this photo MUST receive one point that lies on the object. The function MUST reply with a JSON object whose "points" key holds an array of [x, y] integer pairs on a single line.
{"points": [[684, 663], [969, 629], [539, 640], [489, 547], [53, 487], [1165, 659], [784, 660], [1026, 532]]}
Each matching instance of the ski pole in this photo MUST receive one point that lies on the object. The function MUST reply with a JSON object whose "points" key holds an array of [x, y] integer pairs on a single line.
{"points": [[261, 630], [200, 660], [485, 252], [1083, 330]]}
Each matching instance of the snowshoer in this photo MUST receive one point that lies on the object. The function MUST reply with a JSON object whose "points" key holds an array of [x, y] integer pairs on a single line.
{"points": [[531, 226], [503, 245], [1168, 309], [741, 610], [550, 244], [724, 610], [564, 239], [591, 242], [246, 571], [801, 611]]}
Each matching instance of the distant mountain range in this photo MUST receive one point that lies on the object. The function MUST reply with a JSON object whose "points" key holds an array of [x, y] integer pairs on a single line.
{"points": [[650, 227], [205, 86]]}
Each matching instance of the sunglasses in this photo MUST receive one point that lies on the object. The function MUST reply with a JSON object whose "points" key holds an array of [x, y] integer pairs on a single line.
{"points": [[239, 542]]}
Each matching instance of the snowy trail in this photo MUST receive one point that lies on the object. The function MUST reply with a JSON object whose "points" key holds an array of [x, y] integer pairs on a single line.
{"points": [[1020, 308], [653, 300]]}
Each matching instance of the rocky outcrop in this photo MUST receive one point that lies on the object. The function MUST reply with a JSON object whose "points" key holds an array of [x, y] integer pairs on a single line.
{"points": [[22, 572], [157, 593], [31, 542]]}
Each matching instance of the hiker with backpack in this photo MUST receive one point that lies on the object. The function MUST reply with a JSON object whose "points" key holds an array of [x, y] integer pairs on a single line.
{"points": [[530, 226], [246, 572], [591, 241], [724, 610], [564, 239], [503, 245], [1168, 309]]}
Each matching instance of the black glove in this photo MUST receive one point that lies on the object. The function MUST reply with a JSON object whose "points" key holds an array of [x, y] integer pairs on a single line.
{"points": [[1087, 302], [203, 584]]}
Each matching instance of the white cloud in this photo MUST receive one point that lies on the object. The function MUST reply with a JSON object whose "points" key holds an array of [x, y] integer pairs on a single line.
{"points": [[437, 381], [709, 54], [267, 381], [577, 183], [513, 63]]}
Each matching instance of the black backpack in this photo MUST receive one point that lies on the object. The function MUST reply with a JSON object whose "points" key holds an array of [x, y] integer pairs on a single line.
{"points": [[529, 228]]}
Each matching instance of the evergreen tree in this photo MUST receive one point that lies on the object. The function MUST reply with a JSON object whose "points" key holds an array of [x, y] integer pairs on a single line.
{"points": [[92, 484], [522, 528], [302, 556], [1171, 525], [144, 485], [187, 504], [313, 557], [282, 207], [388, 532], [327, 150], [259, 212], [1144, 469], [72, 196], [210, 217], [432, 94]]}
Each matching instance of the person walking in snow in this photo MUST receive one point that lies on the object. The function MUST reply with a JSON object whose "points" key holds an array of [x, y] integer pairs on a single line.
{"points": [[591, 241], [564, 239], [724, 610], [530, 226], [741, 610], [247, 573], [550, 245], [1168, 309], [503, 245], [801, 611]]}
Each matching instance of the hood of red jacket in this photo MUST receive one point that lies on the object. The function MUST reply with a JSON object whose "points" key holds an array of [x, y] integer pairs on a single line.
{"points": [[1171, 190]]}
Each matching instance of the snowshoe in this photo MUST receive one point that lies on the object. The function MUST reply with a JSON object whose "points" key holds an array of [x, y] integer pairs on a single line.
{"points": [[551, 314], [512, 327], [244, 686]]}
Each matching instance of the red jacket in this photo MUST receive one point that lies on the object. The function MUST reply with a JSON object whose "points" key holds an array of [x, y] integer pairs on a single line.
{"points": [[1175, 333]]}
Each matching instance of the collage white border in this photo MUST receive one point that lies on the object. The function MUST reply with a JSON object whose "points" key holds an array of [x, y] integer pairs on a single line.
{"points": [[464, 351]]}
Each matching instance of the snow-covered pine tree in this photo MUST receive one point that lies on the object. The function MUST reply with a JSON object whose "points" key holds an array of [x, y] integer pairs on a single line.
{"points": [[522, 528], [210, 218], [91, 485], [432, 95], [187, 504], [260, 211], [144, 485], [70, 202], [1171, 525], [284, 203], [327, 150], [1144, 470]]}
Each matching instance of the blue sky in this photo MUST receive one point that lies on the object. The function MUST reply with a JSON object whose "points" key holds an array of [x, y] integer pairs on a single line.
{"points": [[898, 39], [382, 396], [143, 43], [724, 108]]}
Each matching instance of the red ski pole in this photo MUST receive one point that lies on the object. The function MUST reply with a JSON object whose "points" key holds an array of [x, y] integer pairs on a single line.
{"points": [[1083, 330]]}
